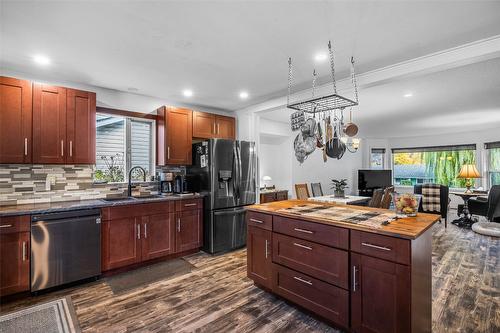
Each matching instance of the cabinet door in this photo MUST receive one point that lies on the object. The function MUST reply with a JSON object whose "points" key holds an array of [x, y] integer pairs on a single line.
{"points": [[267, 197], [179, 136], [380, 295], [14, 263], [282, 195], [49, 124], [80, 129], [120, 243], [203, 125], [158, 235], [15, 120], [188, 230], [225, 127], [259, 259]]}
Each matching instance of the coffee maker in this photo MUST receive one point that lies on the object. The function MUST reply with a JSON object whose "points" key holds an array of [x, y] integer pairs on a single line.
{"points": [[166, 182]]}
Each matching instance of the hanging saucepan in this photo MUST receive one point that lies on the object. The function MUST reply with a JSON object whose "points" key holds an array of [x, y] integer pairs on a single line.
{"points": [[350, 129], [335, 148]]}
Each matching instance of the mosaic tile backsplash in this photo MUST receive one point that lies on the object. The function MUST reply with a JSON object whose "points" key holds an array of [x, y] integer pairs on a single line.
{"points": [[28, 184]]}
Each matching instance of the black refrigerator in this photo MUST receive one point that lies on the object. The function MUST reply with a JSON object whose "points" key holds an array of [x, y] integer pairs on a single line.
{"points": [[224, 170]]}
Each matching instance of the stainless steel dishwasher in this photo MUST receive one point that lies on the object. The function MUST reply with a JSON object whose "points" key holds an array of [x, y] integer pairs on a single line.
{"points": [[65, 247]]}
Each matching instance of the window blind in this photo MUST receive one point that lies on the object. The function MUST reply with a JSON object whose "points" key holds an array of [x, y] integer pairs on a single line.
{"points": [[434, 148], [492, 145], [378, 150]]}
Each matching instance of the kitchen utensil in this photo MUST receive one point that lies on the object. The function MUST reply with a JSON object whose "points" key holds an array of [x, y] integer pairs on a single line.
{"points": [[297, 119], [319, 137], [335, 148], [350, 129]]}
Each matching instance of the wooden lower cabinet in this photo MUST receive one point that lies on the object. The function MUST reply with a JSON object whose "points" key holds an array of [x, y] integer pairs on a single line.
{"points": [[273, 196], [158, 235], [360, 281], [259, 263], [384, 284], [136, 233], [189, 230], [120, 243], [14, 263]]}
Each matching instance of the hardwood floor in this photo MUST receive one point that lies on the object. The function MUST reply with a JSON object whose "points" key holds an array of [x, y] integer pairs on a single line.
{"points": [[217, 296]]}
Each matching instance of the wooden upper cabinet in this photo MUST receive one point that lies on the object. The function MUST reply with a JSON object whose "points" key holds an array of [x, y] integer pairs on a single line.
{"points": [[225, 127], [204, 125], [174, 136], [49, 124], [80, 127], [15, 120]]}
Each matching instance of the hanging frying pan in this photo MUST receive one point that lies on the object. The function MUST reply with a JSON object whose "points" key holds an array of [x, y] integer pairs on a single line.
{"points": [[350, 129], [335, 148]]}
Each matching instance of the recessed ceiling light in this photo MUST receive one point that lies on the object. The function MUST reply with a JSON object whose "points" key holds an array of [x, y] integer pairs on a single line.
{"points": [[187, 92], [320, 57], [408, 95], [41, 59], [243, 95]]}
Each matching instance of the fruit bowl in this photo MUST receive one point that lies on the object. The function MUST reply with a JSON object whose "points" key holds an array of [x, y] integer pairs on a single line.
{"points": [[406, 204]]}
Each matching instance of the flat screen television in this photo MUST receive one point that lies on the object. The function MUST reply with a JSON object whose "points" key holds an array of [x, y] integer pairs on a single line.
{"points": [[368, 180]]}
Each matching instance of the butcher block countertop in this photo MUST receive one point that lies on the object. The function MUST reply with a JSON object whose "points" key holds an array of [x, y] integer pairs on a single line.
{"points": [[407, 228]]}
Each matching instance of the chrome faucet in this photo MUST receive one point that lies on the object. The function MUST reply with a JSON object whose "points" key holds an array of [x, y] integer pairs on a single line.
{"points": [[129, 191]]}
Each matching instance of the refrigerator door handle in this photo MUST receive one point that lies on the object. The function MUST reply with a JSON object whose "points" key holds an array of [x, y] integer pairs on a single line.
{"points": [[238, 154], [230, 212]]}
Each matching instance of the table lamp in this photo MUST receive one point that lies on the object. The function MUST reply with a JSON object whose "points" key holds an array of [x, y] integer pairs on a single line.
{"points": [[266, 179], [467, 172]]}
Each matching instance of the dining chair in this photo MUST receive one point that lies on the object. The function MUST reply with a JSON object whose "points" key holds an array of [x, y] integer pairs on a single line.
{"points": [[376, 198], [301, 191], [444, 201], [316, 189], [387, 197]]}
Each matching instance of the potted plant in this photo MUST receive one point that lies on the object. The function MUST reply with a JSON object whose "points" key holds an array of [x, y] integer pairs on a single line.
{"points": [[339, 187]]}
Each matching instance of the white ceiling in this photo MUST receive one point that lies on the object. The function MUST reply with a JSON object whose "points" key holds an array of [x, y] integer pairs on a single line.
{"points": [[460, 99], [218, 48]]}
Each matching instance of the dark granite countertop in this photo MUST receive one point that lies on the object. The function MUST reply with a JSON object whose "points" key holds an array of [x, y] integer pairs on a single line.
{"points": [[53, 207]]}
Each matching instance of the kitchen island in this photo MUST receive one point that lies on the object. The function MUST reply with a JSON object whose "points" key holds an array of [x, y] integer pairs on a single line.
{"points": [[356, 267]]}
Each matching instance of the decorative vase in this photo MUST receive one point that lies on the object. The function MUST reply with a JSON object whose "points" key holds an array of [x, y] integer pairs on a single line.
{"points": [[339, 193]]}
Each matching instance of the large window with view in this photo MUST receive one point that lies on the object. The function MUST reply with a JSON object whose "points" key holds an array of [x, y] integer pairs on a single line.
{"points": [[493, 152], [121, 143], [439, 165]]}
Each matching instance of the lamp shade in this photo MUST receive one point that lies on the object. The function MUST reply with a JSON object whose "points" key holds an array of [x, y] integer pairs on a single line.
{"points": [[469, 171], [266, 178]]}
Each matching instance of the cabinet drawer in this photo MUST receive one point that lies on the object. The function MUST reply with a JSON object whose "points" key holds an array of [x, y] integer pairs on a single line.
{"points": [[319, 233], [189, 204], [322, 262], [13, 224], [380, 246], [317, 296], [126, 211], [260, 220]]}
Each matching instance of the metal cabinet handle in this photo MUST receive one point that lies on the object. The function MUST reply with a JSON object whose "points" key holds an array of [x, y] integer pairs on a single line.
{"points": [[218, 128], [62, 147], [266, 248], [168, 152], [189, 205], [257, 221], [145, 230], [5, 225], [215, 131], [304, 231], [138, 231], [376, 246], [303, 246], [25, 146], [179, 224], [24, 251], [70, 148], [302, 280], [354, 283]]}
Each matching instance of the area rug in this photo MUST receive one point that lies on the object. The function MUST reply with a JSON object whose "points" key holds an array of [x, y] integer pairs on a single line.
{"points": [[149, 274], [56, 316], [346, 214]]}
